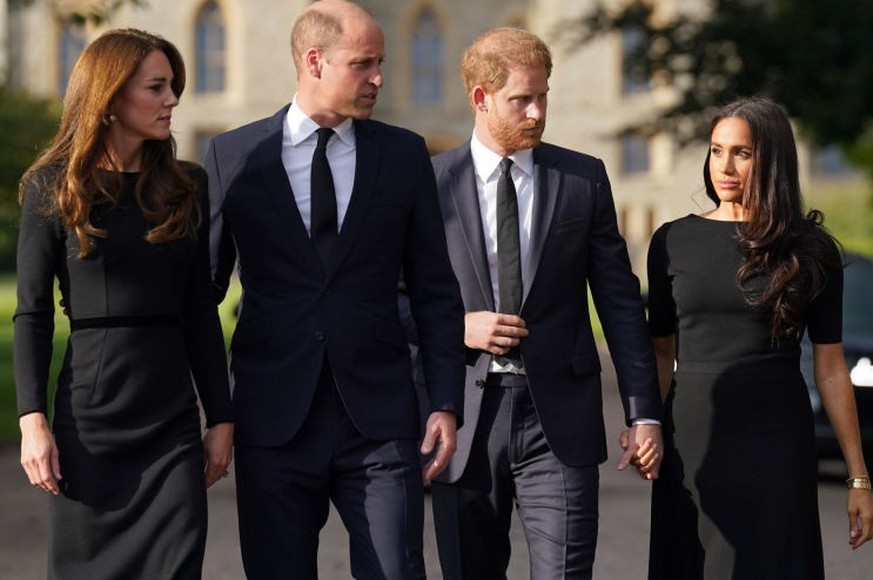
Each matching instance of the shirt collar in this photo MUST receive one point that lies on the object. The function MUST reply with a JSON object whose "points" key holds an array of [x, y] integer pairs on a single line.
{"points": [[487, 162], [300, 127]]}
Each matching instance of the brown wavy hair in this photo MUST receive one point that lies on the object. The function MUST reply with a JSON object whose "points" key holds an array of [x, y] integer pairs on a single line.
{"points": [[77, 158], [786, 252]]}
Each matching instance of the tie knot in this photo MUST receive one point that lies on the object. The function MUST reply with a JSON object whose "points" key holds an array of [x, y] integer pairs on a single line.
{"points": [[324, 134], [505, 165]]}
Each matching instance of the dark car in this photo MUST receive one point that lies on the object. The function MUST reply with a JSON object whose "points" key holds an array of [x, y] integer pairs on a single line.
{"points": [[858, 348]]}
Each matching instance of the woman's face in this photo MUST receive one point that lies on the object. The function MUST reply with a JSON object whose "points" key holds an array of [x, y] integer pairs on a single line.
{"points": [[144, 106], [731, 156]]}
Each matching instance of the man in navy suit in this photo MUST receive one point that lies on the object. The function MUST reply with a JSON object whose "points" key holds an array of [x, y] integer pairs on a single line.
{"points": [[531, 227], [325, 406]]}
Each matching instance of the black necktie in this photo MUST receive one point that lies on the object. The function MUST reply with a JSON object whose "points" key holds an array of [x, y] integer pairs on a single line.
{"points": [[323, 229], [508, 253]]}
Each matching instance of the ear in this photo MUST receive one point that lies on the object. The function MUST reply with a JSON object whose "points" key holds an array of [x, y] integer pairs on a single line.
{"points": [[479, 98], [312, 62]]}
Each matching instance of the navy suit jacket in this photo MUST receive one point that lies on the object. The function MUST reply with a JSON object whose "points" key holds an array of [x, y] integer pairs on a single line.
{"points": [[575, 244], [294, 312]]}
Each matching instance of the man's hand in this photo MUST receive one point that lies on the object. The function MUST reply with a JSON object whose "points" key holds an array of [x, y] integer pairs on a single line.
{"points": [[643, 447], [493, 332], [440, 435]]}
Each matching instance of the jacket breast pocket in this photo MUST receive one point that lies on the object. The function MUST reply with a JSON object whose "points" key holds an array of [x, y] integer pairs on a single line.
{"points": [[570, 226]]}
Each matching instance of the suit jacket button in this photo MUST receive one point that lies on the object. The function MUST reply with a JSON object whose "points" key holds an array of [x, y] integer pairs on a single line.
{"points": [[319, 336], [480, 383]]}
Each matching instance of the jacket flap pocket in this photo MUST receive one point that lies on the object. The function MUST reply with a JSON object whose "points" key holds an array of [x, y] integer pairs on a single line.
{"points": [[585, 364]]}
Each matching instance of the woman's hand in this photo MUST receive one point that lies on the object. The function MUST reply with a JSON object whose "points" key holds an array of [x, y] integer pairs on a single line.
{"points": [[39, 453], [860, 508], [218, 451]]}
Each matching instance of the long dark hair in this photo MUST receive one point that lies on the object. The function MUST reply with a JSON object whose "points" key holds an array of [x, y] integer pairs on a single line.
{"points": [[78, 151], [786, 252]]}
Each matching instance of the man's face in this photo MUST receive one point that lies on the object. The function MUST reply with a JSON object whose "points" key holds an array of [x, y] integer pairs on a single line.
{"points": [[516, 114], [351, 71]]}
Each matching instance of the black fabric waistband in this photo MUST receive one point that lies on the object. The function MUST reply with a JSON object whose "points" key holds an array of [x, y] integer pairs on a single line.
{"points": [[510, 380], [125, 322]]}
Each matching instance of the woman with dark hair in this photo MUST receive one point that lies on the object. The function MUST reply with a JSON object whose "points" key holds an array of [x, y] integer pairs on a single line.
{"points": [[731, 293], [111, 214]]}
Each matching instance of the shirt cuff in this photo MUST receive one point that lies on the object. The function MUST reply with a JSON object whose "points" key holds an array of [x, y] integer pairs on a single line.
{"points": [[645, 422]]}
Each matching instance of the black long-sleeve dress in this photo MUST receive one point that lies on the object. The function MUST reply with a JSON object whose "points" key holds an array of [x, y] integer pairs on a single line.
{"points": [[736, 498], [125, 417]]}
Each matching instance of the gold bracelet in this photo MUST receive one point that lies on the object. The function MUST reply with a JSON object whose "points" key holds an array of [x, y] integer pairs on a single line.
{"points": [[859, 483]]}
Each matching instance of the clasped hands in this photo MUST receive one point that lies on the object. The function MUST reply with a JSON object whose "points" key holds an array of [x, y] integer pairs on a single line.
{"points": [[643, 448]]}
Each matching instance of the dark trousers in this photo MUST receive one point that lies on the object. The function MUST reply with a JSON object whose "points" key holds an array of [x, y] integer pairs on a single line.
{"points": [[283, 496], [510, 462]]}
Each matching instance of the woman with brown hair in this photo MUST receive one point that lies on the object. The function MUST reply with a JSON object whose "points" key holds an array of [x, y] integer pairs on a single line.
{"points": [[111, 214], [731, 293]]}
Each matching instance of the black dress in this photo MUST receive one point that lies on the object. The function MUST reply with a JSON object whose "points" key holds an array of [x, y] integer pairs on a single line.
{"points": [[125, 419], [736, 498]]}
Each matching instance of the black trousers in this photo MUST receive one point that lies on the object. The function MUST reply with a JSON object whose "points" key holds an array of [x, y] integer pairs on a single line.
{"points": [[511, 463], [283, 496]]}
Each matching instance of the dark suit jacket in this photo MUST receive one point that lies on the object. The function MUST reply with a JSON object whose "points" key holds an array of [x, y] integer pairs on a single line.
{"points": [[575, 243], [294, 313]]}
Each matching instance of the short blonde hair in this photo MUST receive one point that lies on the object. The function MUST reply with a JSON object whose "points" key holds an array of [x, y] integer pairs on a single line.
{"points": [[488, 60]]}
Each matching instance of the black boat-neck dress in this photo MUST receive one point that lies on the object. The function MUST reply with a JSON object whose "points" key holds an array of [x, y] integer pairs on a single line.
{"points": [[736, 498], [125, 415]]}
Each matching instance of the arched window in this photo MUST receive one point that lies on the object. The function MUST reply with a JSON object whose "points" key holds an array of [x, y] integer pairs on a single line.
{"points": [[427, 59], [210, 50], [71, 44]]}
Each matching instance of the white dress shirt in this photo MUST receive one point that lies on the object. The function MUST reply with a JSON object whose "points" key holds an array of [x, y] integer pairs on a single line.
{"points": [[298, 145], [487, 167]]}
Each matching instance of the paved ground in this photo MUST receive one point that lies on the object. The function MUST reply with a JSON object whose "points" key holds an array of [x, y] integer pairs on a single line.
{"points": [[621, 555]]}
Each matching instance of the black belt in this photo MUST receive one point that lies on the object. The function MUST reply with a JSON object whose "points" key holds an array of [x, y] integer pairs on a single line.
{"points": [[125, 322], [510, 380]]}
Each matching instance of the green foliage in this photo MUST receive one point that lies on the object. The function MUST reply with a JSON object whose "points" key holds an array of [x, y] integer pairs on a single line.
{"points": [[811, 57], [27, 125], [848, 212]]}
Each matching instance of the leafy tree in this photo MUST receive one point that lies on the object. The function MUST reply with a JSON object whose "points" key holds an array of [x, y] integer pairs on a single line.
{"points": [[27, 125], [811, 57], [96, 12]]}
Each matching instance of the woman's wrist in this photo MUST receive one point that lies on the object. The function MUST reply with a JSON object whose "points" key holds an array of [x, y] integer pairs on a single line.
{"points": [[859, 482]]}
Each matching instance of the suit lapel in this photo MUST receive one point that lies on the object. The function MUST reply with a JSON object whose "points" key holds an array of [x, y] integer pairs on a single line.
{"points": [[547, 180], [269, 152], [465, 198], [367, 158]]}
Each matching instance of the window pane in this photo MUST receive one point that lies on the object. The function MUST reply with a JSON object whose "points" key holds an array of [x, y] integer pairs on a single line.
{"points": [[427, 59], [634, 154], [631, 83], [71, 45], [210, 47]]}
